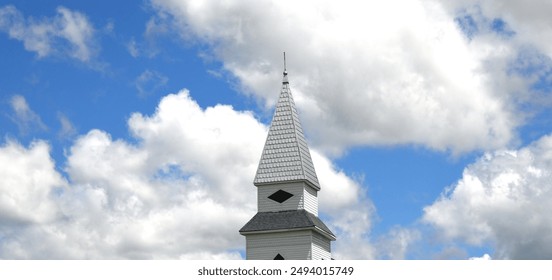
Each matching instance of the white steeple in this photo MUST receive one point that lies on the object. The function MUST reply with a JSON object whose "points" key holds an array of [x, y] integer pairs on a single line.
{"points": [[287, 224]]}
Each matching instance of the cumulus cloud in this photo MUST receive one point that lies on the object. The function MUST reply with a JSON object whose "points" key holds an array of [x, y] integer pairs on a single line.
{"points": [[514, 45], [24, 117], [352, 225], [183, 189], [68, 33], [522, 19], [28, 184], [371, 73], [348, 208], [396, 243], [503, 199]]}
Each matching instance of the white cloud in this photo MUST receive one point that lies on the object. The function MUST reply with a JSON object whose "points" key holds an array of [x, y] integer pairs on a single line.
{"points": [[67, 129], [373, 74], [503, 199], [132, 48], [149, 82], [348, 208], [514, 44], [24, 117], [485, 257], [28, 185], [68, 33], [522, 19], [182, 190], [397, 243]]}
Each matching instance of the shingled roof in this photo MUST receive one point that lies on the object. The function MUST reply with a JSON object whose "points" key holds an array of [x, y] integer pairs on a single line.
{"points": [[285, 220], [286, 156]]}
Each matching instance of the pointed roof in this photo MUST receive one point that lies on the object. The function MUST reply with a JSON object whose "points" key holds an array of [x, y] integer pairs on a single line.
{"points": [[286, 156]]}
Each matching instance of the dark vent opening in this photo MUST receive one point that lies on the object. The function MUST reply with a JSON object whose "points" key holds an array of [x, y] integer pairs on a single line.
{"points": [[279, 257], [280, 196]]}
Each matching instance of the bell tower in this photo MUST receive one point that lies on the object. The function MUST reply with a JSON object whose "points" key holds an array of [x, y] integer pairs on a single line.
{"points": [[286, 225]]}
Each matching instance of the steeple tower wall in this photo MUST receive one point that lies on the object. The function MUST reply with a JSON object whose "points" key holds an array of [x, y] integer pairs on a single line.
{"points": [[304, 197], [292, 245]]}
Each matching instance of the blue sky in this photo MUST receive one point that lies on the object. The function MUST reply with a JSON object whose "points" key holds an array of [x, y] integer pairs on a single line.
{"points": [[123, 123]]}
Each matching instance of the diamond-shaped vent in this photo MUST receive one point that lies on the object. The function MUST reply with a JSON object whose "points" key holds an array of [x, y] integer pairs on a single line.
{"points": [[279, 257], [280, 196]]}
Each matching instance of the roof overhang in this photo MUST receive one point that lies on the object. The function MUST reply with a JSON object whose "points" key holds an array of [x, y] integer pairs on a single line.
{"points": [[307, 182], [315, 228]]}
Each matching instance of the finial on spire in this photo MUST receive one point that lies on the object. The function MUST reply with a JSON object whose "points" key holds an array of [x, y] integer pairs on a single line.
{"points": [[285, 81], [285, 69]]}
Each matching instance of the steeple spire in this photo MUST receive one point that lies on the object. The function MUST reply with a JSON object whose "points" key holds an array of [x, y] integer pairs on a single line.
{"points": [[286, 156]]}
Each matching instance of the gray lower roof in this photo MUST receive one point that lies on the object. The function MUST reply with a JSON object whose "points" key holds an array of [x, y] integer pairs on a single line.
{"points": [[293, 219]]}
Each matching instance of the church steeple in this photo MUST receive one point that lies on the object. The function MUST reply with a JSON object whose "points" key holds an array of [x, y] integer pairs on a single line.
{"points": [[286, 156], [287, 224]]}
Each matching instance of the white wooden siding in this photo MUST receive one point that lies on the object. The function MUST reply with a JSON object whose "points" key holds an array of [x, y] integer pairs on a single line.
{"points": [[321, 247], [292, 245], [304, 197], [310, 200]]}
